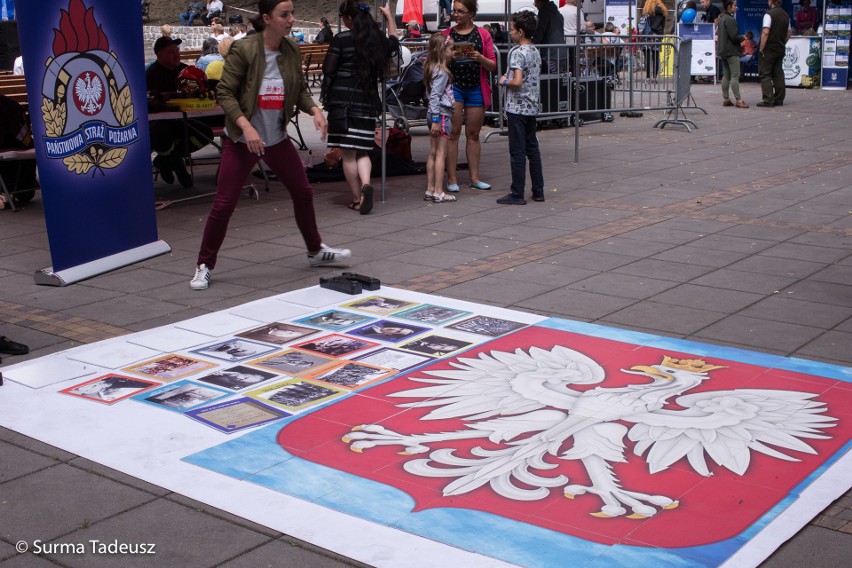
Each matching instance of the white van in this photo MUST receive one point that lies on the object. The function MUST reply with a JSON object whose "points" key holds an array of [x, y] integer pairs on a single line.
{"points": [[491, 11]]}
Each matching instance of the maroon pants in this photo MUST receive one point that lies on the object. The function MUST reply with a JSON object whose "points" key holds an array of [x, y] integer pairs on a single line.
{"points": [[237, 163]]}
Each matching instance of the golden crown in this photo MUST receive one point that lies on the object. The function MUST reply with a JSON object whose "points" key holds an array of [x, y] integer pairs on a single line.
{"points": [[694, 365]]}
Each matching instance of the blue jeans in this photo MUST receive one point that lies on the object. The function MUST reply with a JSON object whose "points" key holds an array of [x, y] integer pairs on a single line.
{"points": [[523, 146], [187, 17]]}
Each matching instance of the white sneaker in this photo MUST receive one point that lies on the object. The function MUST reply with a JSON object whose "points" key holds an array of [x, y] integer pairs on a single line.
{"points": [[201, 279], [328, 256]]}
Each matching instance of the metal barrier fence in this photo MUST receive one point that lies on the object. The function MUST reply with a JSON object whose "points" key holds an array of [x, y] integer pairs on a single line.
{"points": [[603, 76]]}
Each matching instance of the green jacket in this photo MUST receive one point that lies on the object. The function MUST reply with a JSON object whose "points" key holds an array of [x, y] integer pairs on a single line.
{"points": [[729, 36], [243, 74]]}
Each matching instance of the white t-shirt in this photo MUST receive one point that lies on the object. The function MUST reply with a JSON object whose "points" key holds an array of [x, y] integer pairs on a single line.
{"points": [[767, 21], [569, 22], [270, 103]]}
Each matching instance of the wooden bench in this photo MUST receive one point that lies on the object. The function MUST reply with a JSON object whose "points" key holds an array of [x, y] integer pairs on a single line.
{"points": [[313, 57], [190, 56]]}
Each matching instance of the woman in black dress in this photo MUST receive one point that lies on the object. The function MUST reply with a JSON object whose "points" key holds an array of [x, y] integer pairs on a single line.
{"points": [[356, 63], [325, 34]]}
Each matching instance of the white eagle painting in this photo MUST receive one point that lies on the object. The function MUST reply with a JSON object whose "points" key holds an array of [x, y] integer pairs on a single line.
{"points": [[89, 90], [536, 408]]}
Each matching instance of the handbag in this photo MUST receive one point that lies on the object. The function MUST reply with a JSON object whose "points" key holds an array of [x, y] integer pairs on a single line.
{"points": [[645, 26]]}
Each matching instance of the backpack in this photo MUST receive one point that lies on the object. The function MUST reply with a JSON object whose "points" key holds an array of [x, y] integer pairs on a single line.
{"points": [[399, 144], [645, 26]]}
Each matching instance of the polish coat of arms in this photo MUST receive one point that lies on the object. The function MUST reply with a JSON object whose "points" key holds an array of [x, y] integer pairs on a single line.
{"points": [[516, 430], [87, 107]]}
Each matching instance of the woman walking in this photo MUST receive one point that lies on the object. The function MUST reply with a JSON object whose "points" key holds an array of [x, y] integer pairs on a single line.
{"points": [[728, 43], [473, 61], [261, 87], [358, 60]]}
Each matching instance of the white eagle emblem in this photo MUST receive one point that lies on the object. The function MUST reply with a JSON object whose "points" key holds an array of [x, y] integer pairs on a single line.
{"points": [[524, 403], [89, 91]]}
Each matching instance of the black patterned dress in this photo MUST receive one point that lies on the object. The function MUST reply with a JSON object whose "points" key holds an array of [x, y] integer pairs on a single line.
{"points": [[353, 109]]}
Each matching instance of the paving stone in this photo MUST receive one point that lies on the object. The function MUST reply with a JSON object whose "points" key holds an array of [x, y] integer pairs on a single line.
{"points": [[822, 292], [491, 287], [676, 321], [60, 298], [587, 306], [18, 462], [777, 266], [806, 252], [212, 540], [284, 554], [707, 298], [783, 308], [33, 445], [84, 499], [702, 256], [837, 274], [628, 247], [590, 260], [198, 506], [762, 232], [755, 332], [730, 243], [90, 466], [672, 271], [544, 272], [832, 345], [744, 281], [28, 560], [623, 285]]}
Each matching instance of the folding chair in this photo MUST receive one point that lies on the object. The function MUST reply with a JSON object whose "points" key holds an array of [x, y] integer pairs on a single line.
{"points": [[11, 188]]}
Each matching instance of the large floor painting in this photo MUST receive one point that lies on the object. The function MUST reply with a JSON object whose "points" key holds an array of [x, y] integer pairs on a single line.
{"points": [[463, 430]]}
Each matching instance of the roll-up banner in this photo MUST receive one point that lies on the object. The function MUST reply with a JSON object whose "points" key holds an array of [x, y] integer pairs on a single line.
{"points": [[85, 76]]}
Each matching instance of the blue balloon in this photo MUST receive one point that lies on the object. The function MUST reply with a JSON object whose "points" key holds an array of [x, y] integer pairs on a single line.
{"points": [[688, 16]]}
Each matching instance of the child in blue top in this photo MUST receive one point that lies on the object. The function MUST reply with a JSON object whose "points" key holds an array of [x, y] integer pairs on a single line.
{"points": [[438, 79], [522, 105]]}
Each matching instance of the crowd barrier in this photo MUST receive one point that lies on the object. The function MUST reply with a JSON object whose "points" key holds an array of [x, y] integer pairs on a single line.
{"points": [[595, 80]]}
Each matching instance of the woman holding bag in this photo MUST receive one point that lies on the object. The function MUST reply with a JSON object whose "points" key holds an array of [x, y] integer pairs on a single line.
{"points": [[261, 87]]}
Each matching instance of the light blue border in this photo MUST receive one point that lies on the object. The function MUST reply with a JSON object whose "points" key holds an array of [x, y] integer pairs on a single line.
{"points": [[703, 349], [257, 457]]}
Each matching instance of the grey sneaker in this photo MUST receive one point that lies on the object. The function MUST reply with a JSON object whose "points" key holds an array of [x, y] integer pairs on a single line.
{"points": [[201, 280], [328, 256]]}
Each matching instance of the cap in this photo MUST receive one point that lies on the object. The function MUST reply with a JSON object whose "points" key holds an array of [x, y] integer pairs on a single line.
{"points": [[164, 41]]}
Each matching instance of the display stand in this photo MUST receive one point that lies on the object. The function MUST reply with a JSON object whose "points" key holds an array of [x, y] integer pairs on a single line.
{"points": [[837, 23]]}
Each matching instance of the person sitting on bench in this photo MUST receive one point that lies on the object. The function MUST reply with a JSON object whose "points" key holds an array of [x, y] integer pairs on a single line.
{"points": [[214, 10]]}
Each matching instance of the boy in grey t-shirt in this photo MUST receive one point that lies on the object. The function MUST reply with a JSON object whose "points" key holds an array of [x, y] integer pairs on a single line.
{"points": [[522, 102]]}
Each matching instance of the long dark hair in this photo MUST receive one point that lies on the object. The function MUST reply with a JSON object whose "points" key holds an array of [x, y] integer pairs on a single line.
{"points": [[263, 7], [370, 43]]}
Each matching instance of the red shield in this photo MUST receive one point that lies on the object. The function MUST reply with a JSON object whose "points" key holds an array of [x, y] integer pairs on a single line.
{"points": [[711, 509]]}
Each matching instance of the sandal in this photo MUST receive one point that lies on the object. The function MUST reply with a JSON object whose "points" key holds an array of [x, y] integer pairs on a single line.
{"points": [[443, 198], [366, 199], [429, 197], [355, 206]]}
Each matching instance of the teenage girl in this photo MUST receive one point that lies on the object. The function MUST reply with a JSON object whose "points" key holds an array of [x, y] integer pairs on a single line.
{"points": [[438, 79]]}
